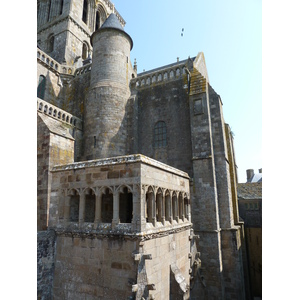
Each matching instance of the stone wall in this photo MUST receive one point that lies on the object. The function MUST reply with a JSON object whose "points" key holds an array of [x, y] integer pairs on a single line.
{"points": [[55, 146], [46, 251], [98, 268], [168, 102], [168, 270]]}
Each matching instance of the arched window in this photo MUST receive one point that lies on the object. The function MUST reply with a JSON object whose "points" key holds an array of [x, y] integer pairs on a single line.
{"points": [[85, 11], [97, 20], [84, 50], [41, 87], [51, 43], [100, 17], [160, 135]]}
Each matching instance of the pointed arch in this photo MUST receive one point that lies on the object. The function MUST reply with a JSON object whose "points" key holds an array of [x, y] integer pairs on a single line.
{"points": [[107, 204], [101, 16], [90, 205], [73, 207], [125, 204]]}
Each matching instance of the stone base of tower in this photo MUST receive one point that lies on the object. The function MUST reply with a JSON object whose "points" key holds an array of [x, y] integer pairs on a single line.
{"points": [[221, 272]]}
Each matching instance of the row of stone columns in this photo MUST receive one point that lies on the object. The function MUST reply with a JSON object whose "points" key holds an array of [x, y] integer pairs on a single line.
{"points": [[161, 207], [98, 204], [148, 205]]}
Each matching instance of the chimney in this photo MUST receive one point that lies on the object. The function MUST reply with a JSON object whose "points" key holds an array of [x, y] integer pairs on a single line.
{"points": [[260, 170], [250, 174]]}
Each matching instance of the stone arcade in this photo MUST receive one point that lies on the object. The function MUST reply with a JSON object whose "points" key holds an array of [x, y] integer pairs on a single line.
{"points": [[136, 171]]}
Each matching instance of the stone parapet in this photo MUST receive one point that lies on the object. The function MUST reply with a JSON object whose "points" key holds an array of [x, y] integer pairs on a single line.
{"points": [[160, 75], [58, 114]]}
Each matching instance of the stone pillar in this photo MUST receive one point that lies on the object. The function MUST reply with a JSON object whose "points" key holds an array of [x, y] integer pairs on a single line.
{"points": [[154, 209], [81, 208], [66, 209], [116, 206], [98, 208], [163, 205]]}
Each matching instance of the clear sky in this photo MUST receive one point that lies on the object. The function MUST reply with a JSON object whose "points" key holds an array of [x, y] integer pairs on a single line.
{"points": [[230, 35]]}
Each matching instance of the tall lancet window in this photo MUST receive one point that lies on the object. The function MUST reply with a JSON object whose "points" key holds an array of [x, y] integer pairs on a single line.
{"points": [[85, 11], [97, 20]]}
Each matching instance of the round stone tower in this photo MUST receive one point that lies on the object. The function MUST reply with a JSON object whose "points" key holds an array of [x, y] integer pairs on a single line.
{"points": [[105, 133]]}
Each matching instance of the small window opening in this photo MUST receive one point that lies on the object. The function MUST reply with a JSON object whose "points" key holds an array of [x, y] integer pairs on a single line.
{"points": [[84, 51], [95, 141], [51, 43], [41, 87]]}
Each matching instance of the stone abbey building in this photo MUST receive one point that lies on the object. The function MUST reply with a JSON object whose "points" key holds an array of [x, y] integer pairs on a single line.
{"points": [[136, 172]]}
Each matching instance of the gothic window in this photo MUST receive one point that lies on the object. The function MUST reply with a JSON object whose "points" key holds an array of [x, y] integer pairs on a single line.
{"points": [[85, 11], [160, 135], [100, 17], [97, 20], [41, 87], [84, 51], [50, 43]]}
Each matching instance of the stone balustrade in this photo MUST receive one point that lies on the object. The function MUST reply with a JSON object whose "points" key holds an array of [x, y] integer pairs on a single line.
{"points": [[158, 76], [82, 70], [51, 63], [57, 113]]}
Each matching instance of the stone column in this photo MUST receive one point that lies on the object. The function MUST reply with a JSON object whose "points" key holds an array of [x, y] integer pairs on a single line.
{"points": [[81, 208], [163, 206], [116, 217], [153, 209], [66, 209], [98, 208]]}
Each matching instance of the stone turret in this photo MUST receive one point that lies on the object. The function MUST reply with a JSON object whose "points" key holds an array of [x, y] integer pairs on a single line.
{"points": [[105, 131]]}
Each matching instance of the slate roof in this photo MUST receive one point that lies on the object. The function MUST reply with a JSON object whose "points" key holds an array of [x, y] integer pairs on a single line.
{"points": [[112, 22], [249, 191]]}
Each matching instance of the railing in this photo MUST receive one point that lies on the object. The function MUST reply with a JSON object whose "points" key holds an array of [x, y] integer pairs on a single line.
{"points": [[157, 76], [57, 113], [48, 61], [84, 69]]}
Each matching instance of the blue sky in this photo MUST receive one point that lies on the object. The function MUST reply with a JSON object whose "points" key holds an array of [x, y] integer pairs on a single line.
{"points": [[230, 35]]}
